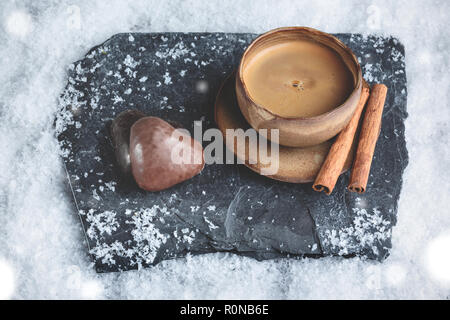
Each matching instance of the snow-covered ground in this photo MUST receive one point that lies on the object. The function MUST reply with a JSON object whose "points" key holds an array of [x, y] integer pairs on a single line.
{"points": [[42, 253]]}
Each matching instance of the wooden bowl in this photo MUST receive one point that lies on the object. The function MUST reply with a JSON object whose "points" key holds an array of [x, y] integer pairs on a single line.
{"points": [[299, 131], [295, 165]]}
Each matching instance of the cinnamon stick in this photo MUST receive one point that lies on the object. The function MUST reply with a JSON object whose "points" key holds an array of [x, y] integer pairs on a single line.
{"points": [[370, 131], [334, 163]]}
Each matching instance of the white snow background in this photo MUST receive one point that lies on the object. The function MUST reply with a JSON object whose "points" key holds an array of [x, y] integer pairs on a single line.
{"points": [[42, 249]]}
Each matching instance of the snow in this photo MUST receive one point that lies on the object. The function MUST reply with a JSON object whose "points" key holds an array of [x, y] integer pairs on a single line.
{"points": [[357, 234], [42, 249]]}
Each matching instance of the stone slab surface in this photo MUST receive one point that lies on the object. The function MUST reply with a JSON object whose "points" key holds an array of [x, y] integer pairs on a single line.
{"points": [[227, 207]]}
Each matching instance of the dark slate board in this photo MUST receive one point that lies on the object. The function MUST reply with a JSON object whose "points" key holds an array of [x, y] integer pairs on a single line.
{"points": [[227, 207]]}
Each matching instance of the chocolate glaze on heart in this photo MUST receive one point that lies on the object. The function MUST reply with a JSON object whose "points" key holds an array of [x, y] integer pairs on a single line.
{"points": [[153, 141], [120, 136]]}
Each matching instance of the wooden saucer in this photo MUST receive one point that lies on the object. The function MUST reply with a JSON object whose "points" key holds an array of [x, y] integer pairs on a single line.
{"points": [[296, 165]]}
